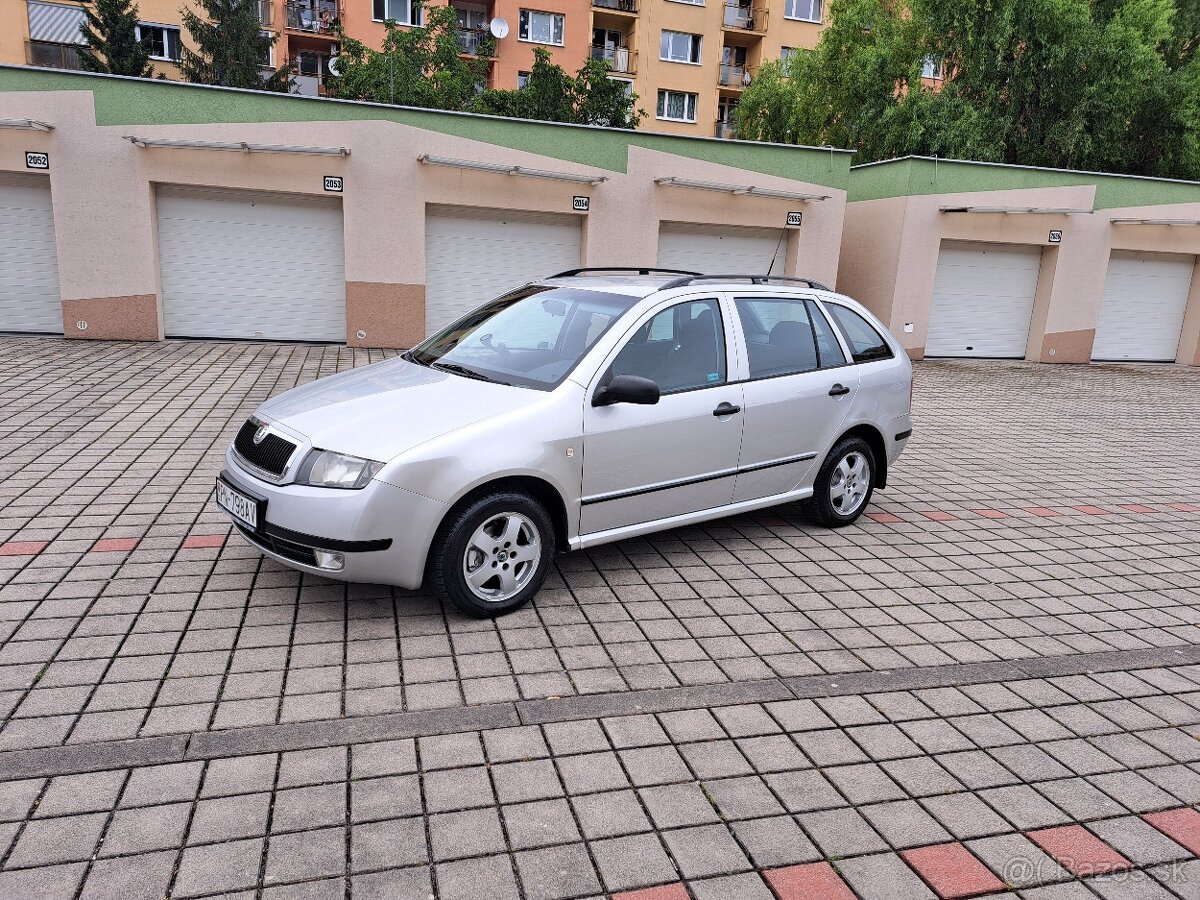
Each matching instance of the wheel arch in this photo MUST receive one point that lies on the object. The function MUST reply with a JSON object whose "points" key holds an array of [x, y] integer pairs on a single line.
{"points": [[538, 488], [874, 438]]}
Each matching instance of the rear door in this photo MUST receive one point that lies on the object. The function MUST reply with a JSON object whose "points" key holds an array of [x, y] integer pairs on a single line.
{"points": [[678, 456], [798, 392]]}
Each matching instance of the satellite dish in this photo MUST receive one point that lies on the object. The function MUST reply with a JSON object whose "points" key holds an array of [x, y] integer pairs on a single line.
{"points": [[498, 27], [334, 66]]}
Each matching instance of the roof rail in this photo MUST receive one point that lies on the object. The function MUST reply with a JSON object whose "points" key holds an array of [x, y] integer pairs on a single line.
{"points": [[753, 279], [639, 270]]}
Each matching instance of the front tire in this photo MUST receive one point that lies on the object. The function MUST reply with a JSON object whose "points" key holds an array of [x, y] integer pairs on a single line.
{"points": [[492, 555], [844, 484]]}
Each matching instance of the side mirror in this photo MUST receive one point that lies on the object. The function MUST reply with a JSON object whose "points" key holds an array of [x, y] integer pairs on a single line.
{"points": [[627, 389]]}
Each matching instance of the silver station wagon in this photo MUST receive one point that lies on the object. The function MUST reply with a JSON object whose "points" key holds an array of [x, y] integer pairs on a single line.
{"points": [[584, 408]]}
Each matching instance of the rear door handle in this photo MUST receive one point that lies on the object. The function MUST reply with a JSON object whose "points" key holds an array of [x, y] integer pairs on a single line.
{"points": [[838, 389], [726, 409]]}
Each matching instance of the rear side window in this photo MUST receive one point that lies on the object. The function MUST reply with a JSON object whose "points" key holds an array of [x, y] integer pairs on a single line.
{"points": [[786, 336], [865, 342]]}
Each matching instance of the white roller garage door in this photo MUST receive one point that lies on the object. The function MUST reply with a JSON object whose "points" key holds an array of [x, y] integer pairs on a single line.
{"points": [[238, 264], [29, 295], [475, 255], [720, 250], [1141, 313], [983, 300]]}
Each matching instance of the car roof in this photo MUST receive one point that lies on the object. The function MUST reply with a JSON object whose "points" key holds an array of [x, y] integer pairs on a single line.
{"points": [[644, 282]]}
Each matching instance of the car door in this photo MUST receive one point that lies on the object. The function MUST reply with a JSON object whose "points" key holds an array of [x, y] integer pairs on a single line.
{"points": [[798, 392], [642, 463]]}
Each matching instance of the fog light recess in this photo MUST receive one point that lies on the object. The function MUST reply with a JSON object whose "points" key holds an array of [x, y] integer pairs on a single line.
{"points": [[327, 559]]}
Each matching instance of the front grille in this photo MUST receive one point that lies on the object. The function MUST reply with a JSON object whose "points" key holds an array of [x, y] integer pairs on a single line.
{"points": [[295, 552], [271, 455]]}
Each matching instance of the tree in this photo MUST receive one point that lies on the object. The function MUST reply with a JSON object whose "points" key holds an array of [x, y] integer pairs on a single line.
{"points": [[549, 94], [230, 47], [416, 67], [1110, 85], [110, 40]]}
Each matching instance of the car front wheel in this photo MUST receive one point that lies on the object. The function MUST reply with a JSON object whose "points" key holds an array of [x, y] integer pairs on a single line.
{"points": [[844, 485], [492, 555]]}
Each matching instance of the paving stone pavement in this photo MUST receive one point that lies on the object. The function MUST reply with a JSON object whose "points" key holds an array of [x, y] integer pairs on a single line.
{"points": [[992, 684]]}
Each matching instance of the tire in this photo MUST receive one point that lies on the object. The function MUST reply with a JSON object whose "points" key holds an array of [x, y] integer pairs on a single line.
{"points": [[830, 504], [481, 539]]}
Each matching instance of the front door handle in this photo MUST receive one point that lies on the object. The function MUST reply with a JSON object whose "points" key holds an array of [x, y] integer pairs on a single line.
{"points": [[838, 389], [726, 409]]}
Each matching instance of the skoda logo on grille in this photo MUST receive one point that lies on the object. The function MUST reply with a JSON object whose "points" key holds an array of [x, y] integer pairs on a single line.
{"points": [[260, 435]]}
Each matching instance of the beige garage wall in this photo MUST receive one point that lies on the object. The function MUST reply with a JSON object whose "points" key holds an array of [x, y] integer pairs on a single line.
{"points": [[103, 194]]}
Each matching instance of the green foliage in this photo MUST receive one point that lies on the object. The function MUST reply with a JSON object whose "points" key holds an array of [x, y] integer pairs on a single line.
{"points": [[111, 46], [1110, 85], [416, 67], [230, 47], [549, 94]]}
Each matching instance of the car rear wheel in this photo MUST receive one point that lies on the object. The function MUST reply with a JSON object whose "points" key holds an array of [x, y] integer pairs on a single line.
{"points": [[492, 555], [844, 485]]}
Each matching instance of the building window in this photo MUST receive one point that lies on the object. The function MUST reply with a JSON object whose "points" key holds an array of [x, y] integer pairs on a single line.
{"points": [[691, 2], [541, 27], [676, 106], [522, 79], [404, 12], [785, 53], [267, 60], [676, 46], [625, 83], [932, 68], [805, 10], [161, 40]]}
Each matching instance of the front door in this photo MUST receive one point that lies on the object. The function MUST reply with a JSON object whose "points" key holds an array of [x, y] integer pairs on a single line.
{"points": [[798, 394], [678, 456]]}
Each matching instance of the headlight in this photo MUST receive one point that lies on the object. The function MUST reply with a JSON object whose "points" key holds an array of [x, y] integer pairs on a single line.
{"points": [[324, 468]]}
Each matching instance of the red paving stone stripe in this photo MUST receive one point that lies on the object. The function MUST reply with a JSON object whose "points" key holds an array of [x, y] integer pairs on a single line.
{"points": [[663, 892], [952, 871], [1079, 851], [884, 517], [110, 545], [1184, 507], [990, 513], [1092, 510], [1042, 511], [196, 541], [1180, 825], [811, 881], [23, 548], [1137, 508]]}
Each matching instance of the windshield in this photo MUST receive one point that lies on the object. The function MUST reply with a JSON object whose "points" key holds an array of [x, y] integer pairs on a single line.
{"points": [[531, 337]]}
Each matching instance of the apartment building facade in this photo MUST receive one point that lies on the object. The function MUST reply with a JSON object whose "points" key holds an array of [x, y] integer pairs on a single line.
{"points": [[688, 60]]}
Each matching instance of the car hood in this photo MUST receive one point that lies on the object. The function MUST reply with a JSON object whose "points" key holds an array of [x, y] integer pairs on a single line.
{"points": [[381, 410]]}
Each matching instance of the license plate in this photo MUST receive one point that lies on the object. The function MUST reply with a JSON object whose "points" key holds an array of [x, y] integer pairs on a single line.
{"points": [[237, 504]]}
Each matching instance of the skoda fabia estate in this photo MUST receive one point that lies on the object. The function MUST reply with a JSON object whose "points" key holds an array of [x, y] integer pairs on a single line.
{"points": [[584, 408]]}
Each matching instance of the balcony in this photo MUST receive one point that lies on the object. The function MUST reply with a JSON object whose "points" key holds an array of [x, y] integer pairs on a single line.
{"points": [[313, 16], [476, 42], [751, 19], [51, 55], [621, 6], [266, 13], [732, 75], [621, 60], [310, 74], [725, 130]]}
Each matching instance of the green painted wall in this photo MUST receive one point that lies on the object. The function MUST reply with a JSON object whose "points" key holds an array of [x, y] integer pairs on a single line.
{"points": [[122, 101], [916, 177]]}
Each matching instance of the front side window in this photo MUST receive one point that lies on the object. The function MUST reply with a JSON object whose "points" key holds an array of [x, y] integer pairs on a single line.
{"points": [[677, 46], [676, 106], [403, 12], [807, 10], [162, 42], [786, 336], [532, 337], [679, 349], [541, 27], [865, 342]]}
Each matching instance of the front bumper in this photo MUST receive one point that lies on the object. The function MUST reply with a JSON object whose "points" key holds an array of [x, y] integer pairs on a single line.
{"points": [[381, 532]]}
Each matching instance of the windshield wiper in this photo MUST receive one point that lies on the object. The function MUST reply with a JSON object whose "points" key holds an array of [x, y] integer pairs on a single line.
{"points": [[465, 372]]}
